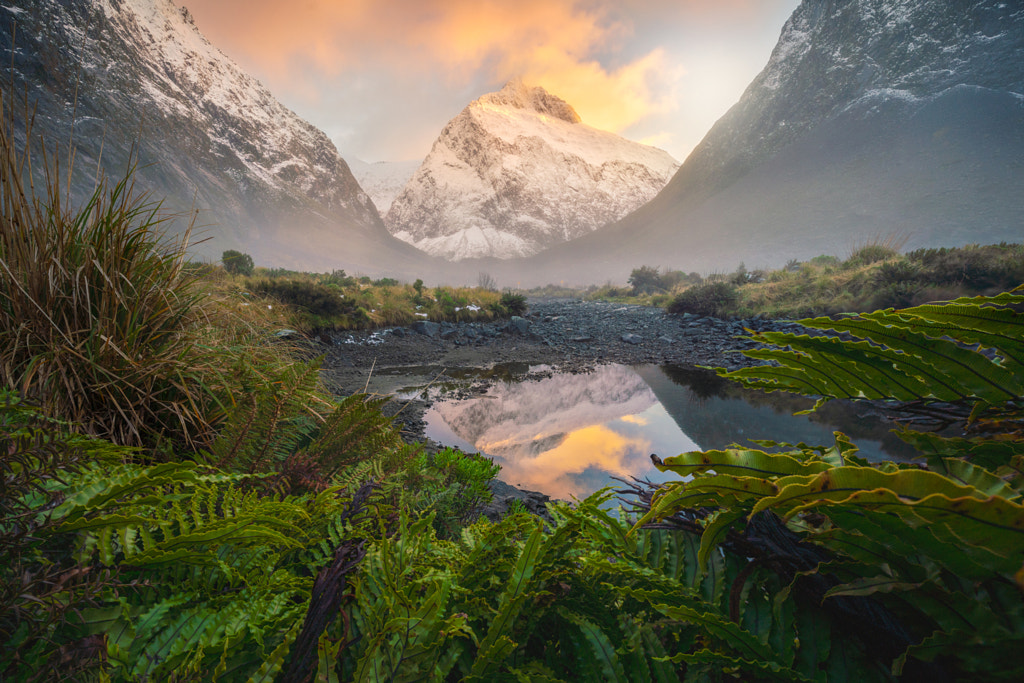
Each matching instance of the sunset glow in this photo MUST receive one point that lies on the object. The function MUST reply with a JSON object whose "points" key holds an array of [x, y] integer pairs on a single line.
{"points": [[595, 447], [655, 71]]}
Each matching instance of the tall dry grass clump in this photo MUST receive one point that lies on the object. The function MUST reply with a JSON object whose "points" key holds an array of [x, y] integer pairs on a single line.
{"points": [[94, 306]]}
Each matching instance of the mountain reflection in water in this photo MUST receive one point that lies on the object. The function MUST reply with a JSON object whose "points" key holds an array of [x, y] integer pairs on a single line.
{"points": [[568, 435]]}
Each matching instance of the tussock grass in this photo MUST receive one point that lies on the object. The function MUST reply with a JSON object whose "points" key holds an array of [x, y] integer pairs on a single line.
{"points": [[95, 306]]}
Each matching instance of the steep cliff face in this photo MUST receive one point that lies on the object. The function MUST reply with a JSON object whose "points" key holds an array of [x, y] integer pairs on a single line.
{"points": [[872, 117], [517, 171], [120, 74]]}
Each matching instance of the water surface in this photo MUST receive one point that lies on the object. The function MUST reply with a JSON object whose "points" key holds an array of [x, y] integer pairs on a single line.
{"points": [[570, 434]]}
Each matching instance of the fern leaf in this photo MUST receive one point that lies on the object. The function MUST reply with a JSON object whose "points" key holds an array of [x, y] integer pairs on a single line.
{"points": [[496, 645], [600, 647]]}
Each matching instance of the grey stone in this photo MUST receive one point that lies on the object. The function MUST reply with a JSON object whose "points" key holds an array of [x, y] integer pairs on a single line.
{"points": [[287, 334], [632, 338], [517, 325], [425, 327], [666, 340]]}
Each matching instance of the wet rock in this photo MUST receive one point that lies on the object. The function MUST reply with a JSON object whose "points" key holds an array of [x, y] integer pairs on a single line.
{"points": [[425, 327], [666, 340], [517, 325], [398, 332], [503, 496], [632, 338]]}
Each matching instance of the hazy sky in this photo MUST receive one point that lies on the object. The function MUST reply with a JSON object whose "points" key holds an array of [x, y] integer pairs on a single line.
{"points": [[382, 77]]}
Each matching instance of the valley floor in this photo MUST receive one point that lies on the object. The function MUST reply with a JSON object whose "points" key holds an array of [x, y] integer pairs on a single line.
{"points": [[570, 334]]}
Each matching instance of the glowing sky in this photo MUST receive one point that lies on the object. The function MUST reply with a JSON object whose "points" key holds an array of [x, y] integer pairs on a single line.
{"points": [[382, 77]]}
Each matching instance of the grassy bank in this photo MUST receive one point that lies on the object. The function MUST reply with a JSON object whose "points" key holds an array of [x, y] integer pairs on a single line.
{"points": [[316, 302], [875, 276]]}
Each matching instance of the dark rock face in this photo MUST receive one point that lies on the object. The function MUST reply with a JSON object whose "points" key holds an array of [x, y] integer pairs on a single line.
{"points": [[425, 327], [872, 117], [124, 73]]}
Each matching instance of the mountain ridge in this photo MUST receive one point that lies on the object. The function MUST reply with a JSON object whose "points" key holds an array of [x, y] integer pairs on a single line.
{"points": [[126, 75], [516, 171], [871, 118]]}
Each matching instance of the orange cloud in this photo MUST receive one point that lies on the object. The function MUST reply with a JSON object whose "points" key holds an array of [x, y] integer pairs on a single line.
{"points": [[552, 43], [596, 446]]}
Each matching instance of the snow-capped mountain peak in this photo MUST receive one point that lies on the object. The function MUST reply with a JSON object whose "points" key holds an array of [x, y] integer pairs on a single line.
{"points": [[517, 171], [518, 95]]}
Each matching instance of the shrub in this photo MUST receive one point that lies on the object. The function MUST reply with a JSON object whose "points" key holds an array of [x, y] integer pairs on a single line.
{"points": [[237, 263], [455, 485], [338, 278], [821, 260], [646, 280], [96, 312], [319, 305], [513, 304], [996, 266], [896, 272], [712, 298]]}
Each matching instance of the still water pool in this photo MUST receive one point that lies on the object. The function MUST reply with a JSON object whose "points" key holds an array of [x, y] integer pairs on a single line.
{"points": [[569, 434]]}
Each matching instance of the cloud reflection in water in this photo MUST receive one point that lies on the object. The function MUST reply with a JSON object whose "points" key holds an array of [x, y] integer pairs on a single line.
{"points": [[565, 435]]}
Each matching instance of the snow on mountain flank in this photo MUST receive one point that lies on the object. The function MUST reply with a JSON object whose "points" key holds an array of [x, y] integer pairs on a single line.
{"points": [[382, 180], [517, 171], [148, 88]]}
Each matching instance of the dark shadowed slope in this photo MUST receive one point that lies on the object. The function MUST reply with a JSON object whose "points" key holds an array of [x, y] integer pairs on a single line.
{"points": [[139, 72]]}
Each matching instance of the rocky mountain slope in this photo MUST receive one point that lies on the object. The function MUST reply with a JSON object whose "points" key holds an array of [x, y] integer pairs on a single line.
{"points": [[517, 171], [872, 117], [138, 73]]}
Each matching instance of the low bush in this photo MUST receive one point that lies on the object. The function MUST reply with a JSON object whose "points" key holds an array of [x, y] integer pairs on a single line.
{"points": [[646, 280], [454, 485], [990, 267], [317, 305], [237, 263], [513, 303], [711, 298]]}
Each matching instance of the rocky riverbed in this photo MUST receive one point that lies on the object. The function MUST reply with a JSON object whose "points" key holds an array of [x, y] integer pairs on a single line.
{"points": [[569, 335]]}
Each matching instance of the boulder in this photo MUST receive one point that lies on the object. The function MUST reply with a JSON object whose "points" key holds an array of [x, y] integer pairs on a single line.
{"points": [[517, 325], [425, 327]]}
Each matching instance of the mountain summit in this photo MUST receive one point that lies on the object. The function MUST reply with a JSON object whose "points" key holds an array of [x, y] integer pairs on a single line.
{"points": [[517, 171], [872, 117]]}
